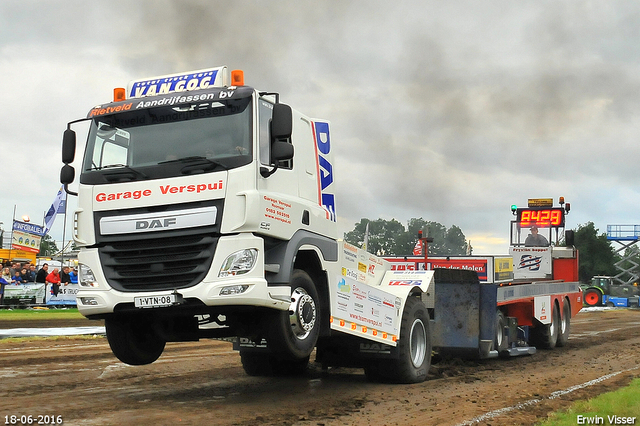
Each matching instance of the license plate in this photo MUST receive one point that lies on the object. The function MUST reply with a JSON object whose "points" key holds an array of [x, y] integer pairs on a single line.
{"points": [[155, 301]]}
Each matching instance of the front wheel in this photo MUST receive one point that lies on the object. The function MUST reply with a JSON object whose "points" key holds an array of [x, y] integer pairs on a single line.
{"points": [[133, 340], [293, 334]]}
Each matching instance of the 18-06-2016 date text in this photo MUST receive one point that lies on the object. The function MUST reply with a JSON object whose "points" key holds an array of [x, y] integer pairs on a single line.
{"points": [[41, 419]]}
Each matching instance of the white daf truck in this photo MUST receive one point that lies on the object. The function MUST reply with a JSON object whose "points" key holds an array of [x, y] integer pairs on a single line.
{"points": [[206, 209]]}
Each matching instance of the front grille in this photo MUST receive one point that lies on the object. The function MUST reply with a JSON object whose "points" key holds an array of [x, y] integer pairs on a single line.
{"points": [[158, 263]]}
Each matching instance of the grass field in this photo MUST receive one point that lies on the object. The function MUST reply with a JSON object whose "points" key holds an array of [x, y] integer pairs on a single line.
{"points": [[624, 404], [39, 314]]}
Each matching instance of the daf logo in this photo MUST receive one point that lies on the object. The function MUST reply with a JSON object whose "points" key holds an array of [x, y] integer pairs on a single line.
{"points": [[155, 223]]}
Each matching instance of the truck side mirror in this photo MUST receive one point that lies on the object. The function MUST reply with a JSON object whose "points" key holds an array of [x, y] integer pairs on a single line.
{"points": [[281, 151], [68, 146], [67, 174], [281, 122]]}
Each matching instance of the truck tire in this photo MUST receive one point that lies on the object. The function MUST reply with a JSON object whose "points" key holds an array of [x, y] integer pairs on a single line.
{"points": [[133, 340], [265, 364], [545, 336], [293, 334], [592, 297], [414, 349], [500, 344], [565, 325]]}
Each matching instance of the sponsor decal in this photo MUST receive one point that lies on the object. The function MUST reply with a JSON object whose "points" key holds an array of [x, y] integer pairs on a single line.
{"points": [[350, 273], [358, 292], [325, 169], [405, 282], [374, 298], [278, 210], [343, 286], [530, 262], [174, 83]]}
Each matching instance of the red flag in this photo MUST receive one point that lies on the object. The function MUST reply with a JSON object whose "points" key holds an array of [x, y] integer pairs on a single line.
{"points": [[417, 250]]}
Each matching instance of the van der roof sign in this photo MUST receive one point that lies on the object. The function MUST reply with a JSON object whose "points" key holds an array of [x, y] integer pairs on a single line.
{"points": [[181, 82]]}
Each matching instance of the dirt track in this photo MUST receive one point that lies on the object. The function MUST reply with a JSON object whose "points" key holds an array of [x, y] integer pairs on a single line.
{"points": [[203, 383]]}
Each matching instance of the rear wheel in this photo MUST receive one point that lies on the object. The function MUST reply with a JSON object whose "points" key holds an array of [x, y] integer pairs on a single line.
{"points": [[592, 297], [133, 340], [565, 325], [545, 336], [294, 333], [414, 348]]}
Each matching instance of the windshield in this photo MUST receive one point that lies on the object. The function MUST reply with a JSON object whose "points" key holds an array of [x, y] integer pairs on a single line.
{"points": [[169, 141]]}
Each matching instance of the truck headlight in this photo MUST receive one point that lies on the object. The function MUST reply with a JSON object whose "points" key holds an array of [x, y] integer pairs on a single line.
{"points": [[86, 277], [239, 263]]}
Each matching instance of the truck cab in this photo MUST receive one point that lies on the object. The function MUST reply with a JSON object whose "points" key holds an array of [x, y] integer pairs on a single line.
{"points": [[200, 200]]}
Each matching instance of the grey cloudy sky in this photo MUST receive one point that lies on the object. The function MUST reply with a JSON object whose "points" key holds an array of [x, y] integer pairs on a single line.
{"points": [[449, 111]]}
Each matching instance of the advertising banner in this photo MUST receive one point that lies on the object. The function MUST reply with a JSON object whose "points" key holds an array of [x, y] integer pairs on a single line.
{"points": [[482, 265], [26, 236], [66, 294], [24, 294]]}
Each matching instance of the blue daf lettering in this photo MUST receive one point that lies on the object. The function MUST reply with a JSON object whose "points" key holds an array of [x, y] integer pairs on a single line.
{"points": [[323, 142]]}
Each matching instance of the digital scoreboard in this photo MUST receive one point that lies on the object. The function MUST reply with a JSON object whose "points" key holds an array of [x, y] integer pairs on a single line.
{"points": [[552, 217]]}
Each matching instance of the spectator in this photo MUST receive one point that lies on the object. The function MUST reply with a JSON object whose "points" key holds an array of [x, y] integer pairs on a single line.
{"points": [[6, 275], [41, 276], [17, 278], [16, 266], [54, 279], [24, 274], [31, 274], [64, 276], [73, 276]]}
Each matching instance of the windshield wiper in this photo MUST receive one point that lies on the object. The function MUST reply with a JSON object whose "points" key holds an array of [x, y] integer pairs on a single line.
{"points": [[116, 175], [196, 163]]}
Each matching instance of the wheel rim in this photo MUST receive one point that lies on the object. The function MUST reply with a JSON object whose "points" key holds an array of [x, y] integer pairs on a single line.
{"points": [[563, 323], [418, 343], [302, 313]]}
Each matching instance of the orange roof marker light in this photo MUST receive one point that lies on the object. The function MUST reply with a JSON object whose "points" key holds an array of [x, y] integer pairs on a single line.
{"points": [[237, 78], [119, 94]]}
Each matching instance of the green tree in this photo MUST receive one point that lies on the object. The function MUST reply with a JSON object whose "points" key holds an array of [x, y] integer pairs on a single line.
{"points": [[383, 236], [48, 246], [390, 238], [597, 257]]}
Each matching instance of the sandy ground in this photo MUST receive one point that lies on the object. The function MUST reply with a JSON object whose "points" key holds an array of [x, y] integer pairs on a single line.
{"points": [[203, 383]]}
